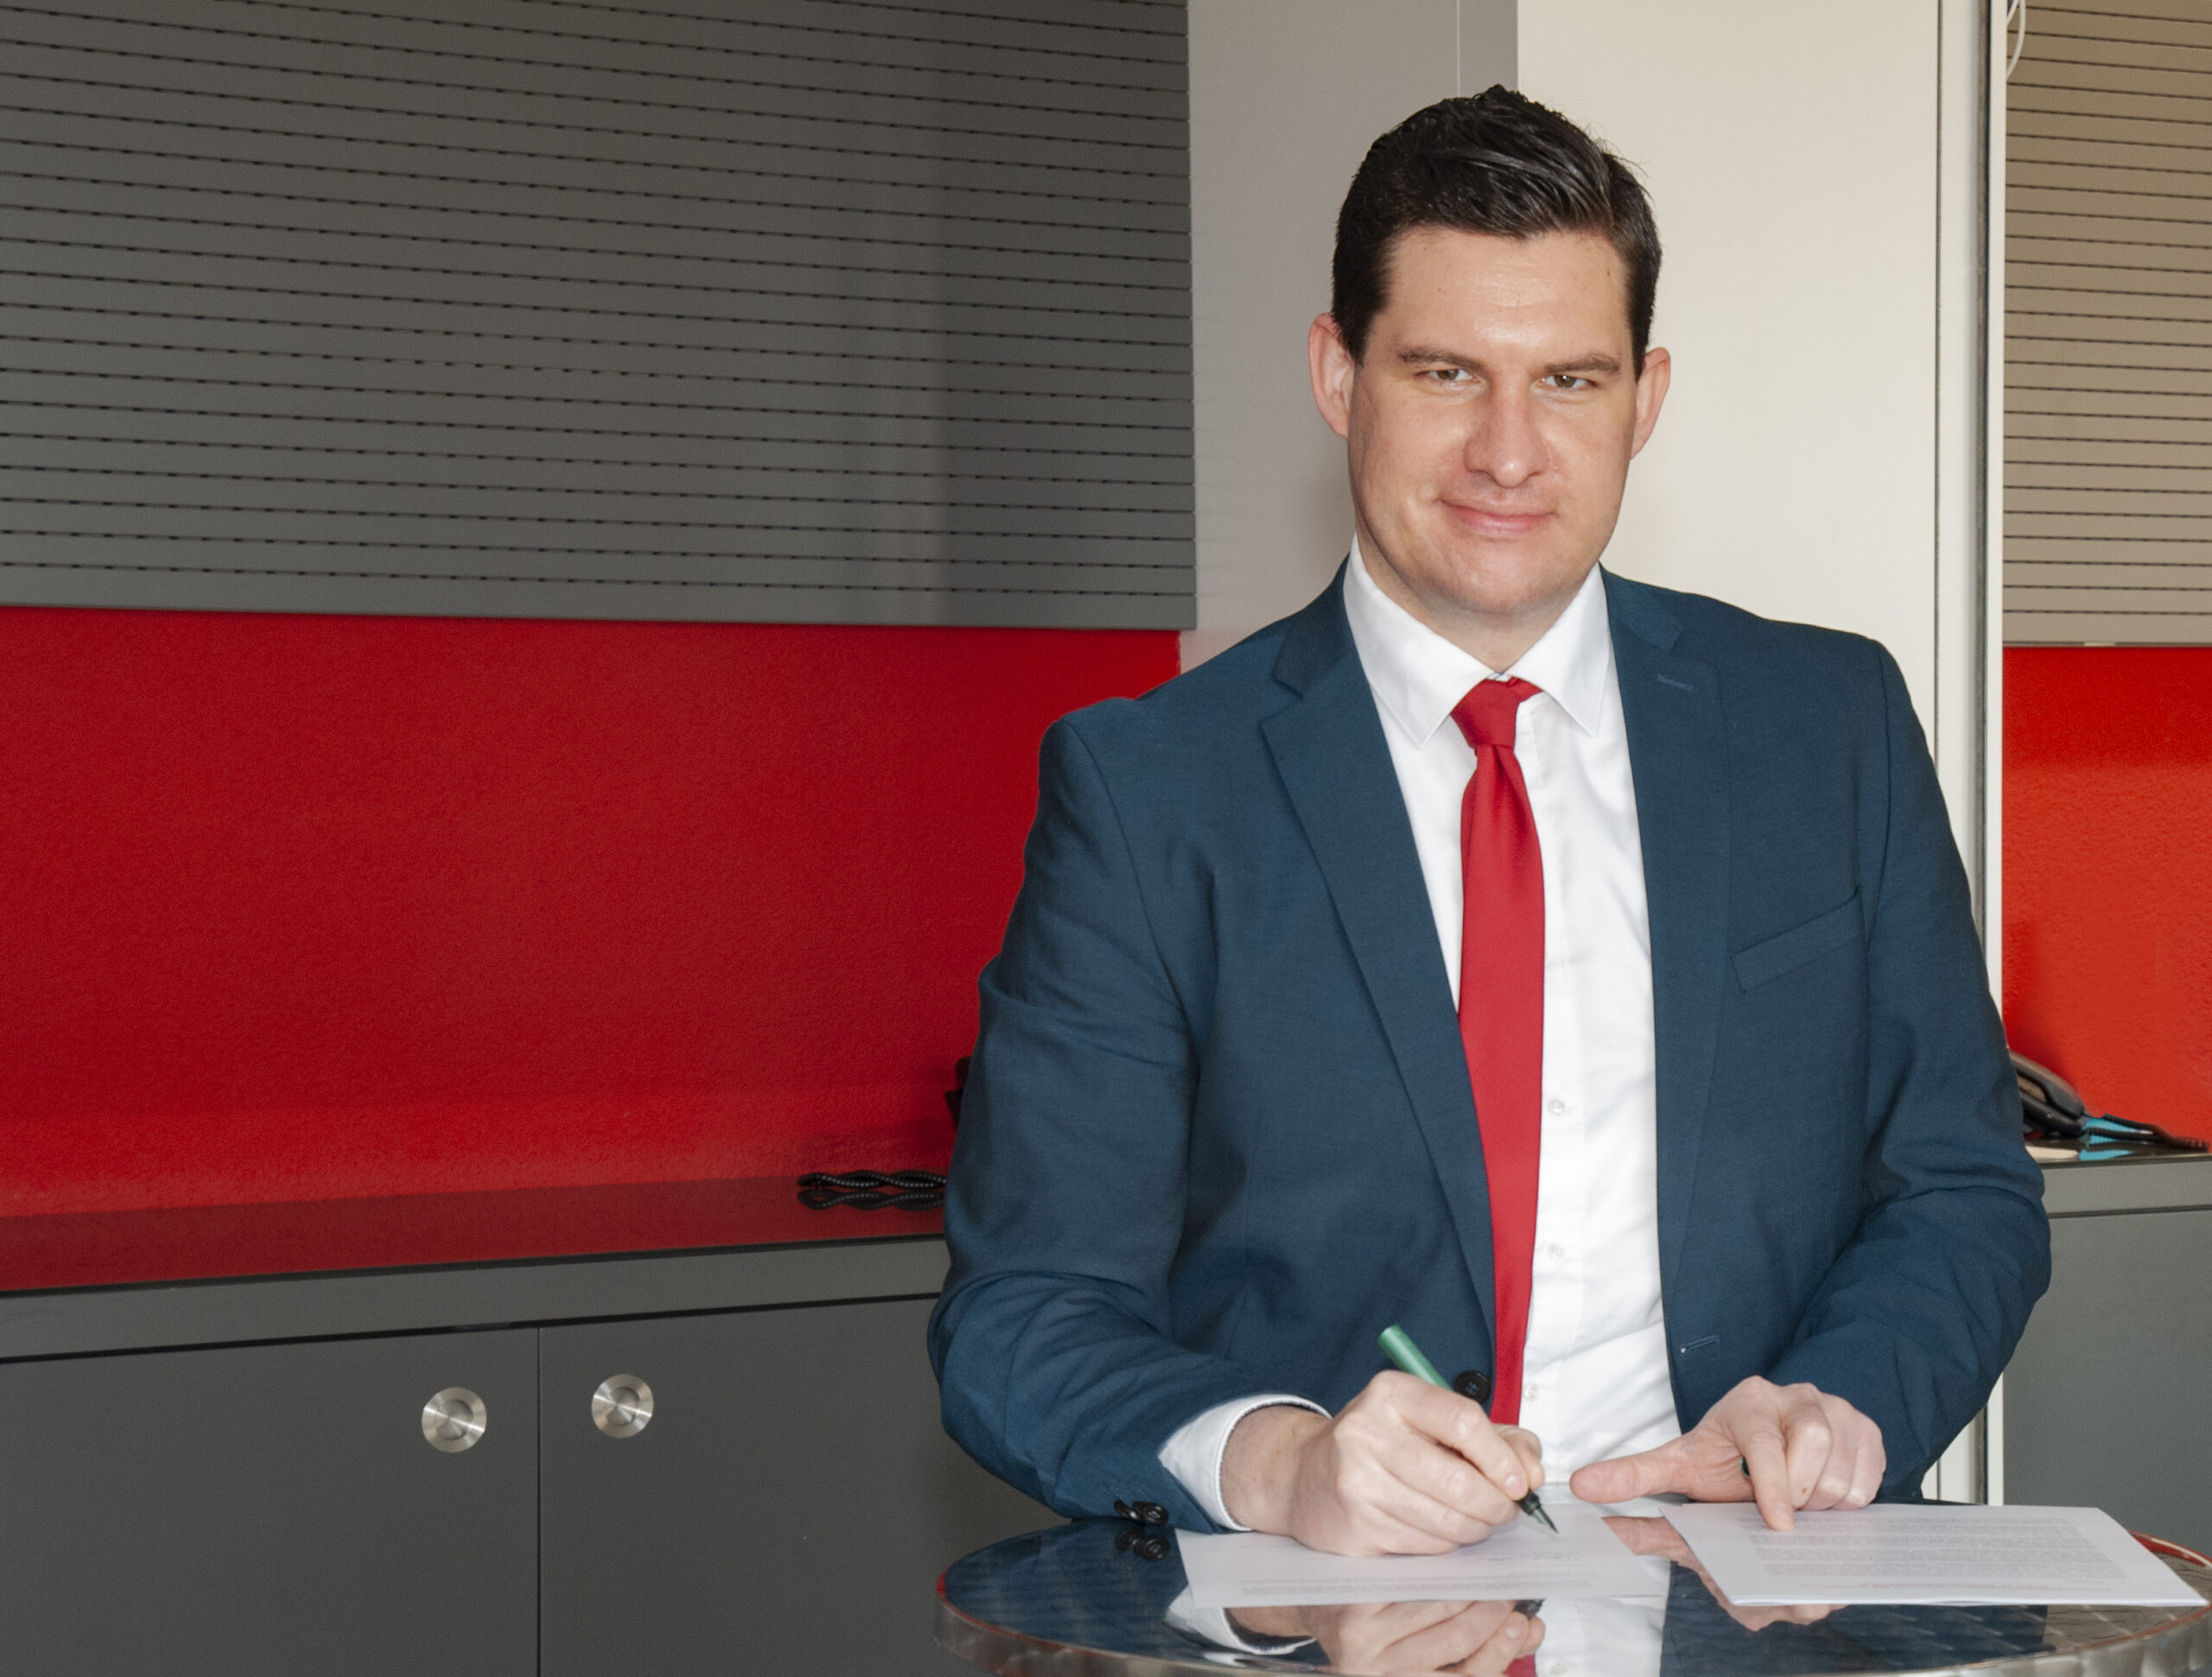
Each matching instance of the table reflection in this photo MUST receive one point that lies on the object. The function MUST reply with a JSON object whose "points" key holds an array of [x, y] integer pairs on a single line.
{"points": [[1088, 1585], [1484, 1636]]}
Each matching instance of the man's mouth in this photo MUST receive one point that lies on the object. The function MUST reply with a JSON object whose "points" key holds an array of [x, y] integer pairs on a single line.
{"points": [[1501, 522]]}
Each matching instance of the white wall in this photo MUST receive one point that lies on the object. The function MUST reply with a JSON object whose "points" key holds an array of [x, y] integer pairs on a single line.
{"points": [[1790, 149], [1285, 97]]}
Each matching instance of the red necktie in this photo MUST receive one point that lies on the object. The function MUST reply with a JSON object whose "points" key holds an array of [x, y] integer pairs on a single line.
{"points": [[1502, 1005]]}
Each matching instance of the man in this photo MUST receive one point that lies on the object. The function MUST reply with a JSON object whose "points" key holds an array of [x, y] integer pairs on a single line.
{"points": [[1576, 973]]}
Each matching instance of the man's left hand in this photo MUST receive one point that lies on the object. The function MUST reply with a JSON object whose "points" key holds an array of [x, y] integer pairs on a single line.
{"points": [[1789, 1447]]}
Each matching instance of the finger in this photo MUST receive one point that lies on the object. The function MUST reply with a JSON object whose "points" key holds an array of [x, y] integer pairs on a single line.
{"points": [[1433, 1476], [1444, 1645], [1369, 1528], [1515, 1639], [1624, 1478], [1355, 1505], [1642, 1535], [1751, 1618], [1767, 1461], [1871, 1460], [1422, 1488], [1529, 1448], [1839, 1474], [1867, 1475], [1459, 1425], [1811, 1442], [1395, 1622], [1373, 1637]]}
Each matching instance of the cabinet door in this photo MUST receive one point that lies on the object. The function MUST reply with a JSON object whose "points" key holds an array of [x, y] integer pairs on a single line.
{"points": [[783, 1513], [2104, 1401], [270, 1508]]}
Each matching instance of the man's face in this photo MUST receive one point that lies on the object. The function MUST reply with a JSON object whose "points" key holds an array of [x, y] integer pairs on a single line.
{"points": [[1489, 427]]}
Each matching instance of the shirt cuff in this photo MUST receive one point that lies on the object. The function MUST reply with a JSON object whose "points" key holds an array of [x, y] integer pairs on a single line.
{"points": [[1193, 1454]]}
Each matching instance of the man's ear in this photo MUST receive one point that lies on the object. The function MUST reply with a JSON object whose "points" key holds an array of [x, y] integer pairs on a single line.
{"points": [[1650, 394], [1334, 372]]}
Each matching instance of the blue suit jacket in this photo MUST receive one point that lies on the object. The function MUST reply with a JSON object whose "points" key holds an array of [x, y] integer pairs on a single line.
{"points": [[1218, 1132]]}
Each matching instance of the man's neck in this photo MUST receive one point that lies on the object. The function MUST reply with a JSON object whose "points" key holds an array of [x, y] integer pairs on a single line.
{"points": [[1496, 641]]}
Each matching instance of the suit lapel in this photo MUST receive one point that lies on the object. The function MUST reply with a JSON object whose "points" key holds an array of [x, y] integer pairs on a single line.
{"points": [[1336, 765], [1678, 755]]}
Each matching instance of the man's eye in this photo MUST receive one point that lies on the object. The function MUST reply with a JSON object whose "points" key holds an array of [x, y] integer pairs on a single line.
{"points": [[1566, 381], [1447, 375]]}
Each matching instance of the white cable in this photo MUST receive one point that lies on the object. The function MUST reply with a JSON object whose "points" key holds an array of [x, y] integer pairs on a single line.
{"points": [[2018, 8]]}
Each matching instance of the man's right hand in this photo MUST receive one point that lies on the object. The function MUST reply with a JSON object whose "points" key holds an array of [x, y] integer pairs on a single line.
{"points": [[1405, 1467], [1467, 1638]]}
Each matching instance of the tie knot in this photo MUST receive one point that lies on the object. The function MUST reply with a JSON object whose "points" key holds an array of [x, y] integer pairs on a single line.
{"points": [[1488, 714]]}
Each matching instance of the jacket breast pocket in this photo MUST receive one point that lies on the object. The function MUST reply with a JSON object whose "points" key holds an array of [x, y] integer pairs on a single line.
{"points": [[1785, 951]]}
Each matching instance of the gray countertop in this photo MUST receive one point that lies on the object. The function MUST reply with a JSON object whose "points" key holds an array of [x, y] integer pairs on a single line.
{"points": [[2181, 1183], [263, 1308], [78, 1321]]}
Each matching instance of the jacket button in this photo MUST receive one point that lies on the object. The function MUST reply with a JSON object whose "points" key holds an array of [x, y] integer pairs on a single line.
{"points": [[1472, 1384]]}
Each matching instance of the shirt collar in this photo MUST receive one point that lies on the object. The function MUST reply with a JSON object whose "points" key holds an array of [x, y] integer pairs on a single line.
{"points": [[1418, 677]]}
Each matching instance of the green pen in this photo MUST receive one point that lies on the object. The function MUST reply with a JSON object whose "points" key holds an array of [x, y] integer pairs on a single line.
{"points": [[1398, 1345]]}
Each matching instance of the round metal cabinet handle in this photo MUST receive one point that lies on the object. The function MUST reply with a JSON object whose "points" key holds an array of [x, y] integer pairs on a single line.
{"points": [[454, 1419], [622, 1406]]}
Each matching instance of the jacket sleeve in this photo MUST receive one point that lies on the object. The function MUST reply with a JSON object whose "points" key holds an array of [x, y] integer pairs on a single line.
{"points": [[1053, 1340], [1920, 1313]]}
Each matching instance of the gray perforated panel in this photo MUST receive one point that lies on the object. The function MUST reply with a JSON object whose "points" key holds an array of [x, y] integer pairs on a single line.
{"points": [[2108, 324], [813, 310]]}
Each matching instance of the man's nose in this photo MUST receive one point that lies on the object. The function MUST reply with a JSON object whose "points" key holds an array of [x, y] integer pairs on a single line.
{"points": [[1504, 443]]}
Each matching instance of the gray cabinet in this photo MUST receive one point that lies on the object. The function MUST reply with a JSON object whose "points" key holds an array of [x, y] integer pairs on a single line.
{"points": [[270, 1508], [174, 1499], [785, 1510], [2103, 1401]]}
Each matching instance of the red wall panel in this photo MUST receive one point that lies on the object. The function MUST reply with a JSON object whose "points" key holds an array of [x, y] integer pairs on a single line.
{"points": [[300, 907], [2108, 874]]}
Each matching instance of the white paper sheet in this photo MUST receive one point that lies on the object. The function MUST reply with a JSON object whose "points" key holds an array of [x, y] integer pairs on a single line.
{"points": [[1899, 1552], [1514, 1563]]}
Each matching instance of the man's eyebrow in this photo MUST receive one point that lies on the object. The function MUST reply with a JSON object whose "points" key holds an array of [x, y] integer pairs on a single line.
{"points": [[1423, 356], [1419, 356]]}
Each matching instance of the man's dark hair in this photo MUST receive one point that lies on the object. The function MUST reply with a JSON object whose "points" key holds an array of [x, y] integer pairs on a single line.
{"points": [[1496, 163]]}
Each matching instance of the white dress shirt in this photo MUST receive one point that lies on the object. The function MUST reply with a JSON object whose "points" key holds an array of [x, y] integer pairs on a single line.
{"points": [[1596, 1382]]}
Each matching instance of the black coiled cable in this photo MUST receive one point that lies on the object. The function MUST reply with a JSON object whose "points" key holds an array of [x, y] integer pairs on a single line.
{"points": [[871, 1191]]}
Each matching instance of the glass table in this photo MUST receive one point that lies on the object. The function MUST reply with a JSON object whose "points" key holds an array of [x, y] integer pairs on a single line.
{"points": [[1100, 1599]]}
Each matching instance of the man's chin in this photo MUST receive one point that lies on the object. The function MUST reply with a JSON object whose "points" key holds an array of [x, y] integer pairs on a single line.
{"points": [[1510, 587]]}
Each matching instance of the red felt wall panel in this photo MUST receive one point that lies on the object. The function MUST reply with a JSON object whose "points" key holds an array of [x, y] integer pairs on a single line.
{"points": [[299, 907], [2108, 874]]}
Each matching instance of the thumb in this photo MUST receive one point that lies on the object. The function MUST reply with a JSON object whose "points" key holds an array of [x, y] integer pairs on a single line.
{"points": [[1626, 1478]]}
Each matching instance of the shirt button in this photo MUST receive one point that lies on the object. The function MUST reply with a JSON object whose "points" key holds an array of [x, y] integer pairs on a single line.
{"points": [[1555, 1106], [1531, 1391], [1556, 1253]]}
